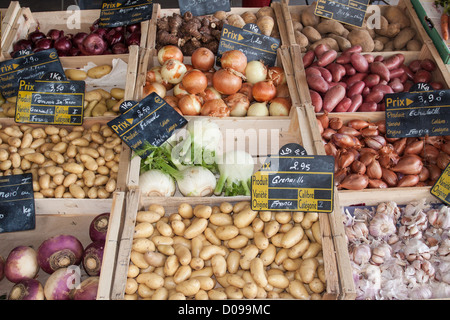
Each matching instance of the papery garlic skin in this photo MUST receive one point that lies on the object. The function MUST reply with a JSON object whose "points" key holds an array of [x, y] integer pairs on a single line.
{"points": [[382, 226], [360, 254]]}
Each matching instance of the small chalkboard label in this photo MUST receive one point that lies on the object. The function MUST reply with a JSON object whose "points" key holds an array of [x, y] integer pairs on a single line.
{"points": [[420, 86], [124, 106], [292, 149], [346, 11], [255, 46], [203, 7], [417, 114], [441, 188], [294, 183], [124, 12], [17, 210], [32, 66], [50, 102], [151, 121]]}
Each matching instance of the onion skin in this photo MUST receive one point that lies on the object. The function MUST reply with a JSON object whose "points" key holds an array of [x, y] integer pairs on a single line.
{"points": [[358, 167], [190, 105], [234, 59], [59, 252], [195, 81], [343, 140], [415, 147], [408, 180], [345, 159], [442, 160], [389, 177], [354, 182], [87, 291], [238, 104], [99, 227], [264, 91], [377, 184], [30, 289], [57, 285], [215, 108], [21, 264], [374, 170], [92, 258], [226, 82], [203, 59]]}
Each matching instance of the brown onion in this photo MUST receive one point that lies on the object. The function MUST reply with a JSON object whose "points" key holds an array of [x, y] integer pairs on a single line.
{"points": [[408, 180], [154, 75], [215, 108], [209, 77], [442, 160], [179, 90], [226, 82], [358, 124], [210, 94], [277, 75], [390, 177], [194, 81], [358, 167], [238, 104], [377, 184], [409, 164], [234, 59], [415, 147], [345, 159], [354, 182], [283, 91], [264, 91], [279, 106], [169, 52], [156, 87], [246, 89], [173, 71], [190, 105], [374, 170], [336, 123], [324, 119], [203, 59], [343, 140], [255, 71], [172, 101]]}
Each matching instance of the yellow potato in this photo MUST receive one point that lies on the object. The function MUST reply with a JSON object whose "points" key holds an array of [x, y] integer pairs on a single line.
{"points": [[99, 71], [93, 95], [117, 93], [75, 74]]}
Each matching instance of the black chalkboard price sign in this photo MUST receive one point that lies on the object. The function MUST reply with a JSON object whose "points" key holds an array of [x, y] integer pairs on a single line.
{"points": [[294, 183], [254, 45], [17, 210], [124, 12], [50, 102], [351, 12], [441, 188], [203, 7], [417, 114], [152, 120], [28, 66]]}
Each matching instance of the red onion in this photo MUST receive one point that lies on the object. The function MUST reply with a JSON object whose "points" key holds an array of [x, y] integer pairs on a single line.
{"points": [[134, 38], [30, 289], [92, 258], [79, 38], [119, 48], [55, 34], [23, 44], [99, 227], [62, 45], [21, 264], [36, 35], [87, 290], [133, 27], [59, 285], [59, 252], [93, 44], [44, 44], [113, 36]]}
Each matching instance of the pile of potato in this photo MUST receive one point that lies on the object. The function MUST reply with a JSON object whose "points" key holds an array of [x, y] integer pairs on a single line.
{"points": [[225, 252], [77, 163], [395, 32]]}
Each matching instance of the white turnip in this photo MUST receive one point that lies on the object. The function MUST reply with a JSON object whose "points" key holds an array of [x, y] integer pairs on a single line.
{"points": [[21, 264]]}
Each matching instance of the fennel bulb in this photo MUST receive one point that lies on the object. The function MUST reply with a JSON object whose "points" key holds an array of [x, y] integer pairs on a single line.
{"points": [[155, 183], [196, 181], [236, 170]]}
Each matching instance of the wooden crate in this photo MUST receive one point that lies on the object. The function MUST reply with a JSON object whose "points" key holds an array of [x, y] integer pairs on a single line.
{"points": [[124, 162], [404, 5], [27, 21], [8, 17], [441, 74], [290, 130], [53, 219]]}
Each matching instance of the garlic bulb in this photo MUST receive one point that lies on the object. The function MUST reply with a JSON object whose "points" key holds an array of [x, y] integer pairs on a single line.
{"points": [[382, 226], [356, 232], [421, 292], [360, 254], [416, 249], [439, 218]]}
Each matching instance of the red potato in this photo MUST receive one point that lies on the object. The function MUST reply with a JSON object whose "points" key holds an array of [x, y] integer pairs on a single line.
{"points": [[359, 62], [393, 62], [317, 83], [414, 66], [357, 101], [308, 58], [436, 85], [337, 71], [326, 58], [381, 107], [380, 69], [408, 71], [428, 65], [356, 88], [383, 88], [316, 100], [344, 105], [343, 58], [403, 78], [368, 107], [372, 80], [366, 91], [396, 73], [370, 58], [396, 85], [378, 58], [422, 76], [357, 49], [313, 71], [357, 77], [374, 96], [349, 70], [333, 97], [407, 85], [402, 58], [320, 49], [325, 73]]}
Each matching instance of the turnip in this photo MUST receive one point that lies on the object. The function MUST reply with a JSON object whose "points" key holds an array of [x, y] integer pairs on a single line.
{"points": [[87, 289], [92, 258], [99, 227], [59, 285], [236, 170], [30, 289], [21, 264], [59, 252]]}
